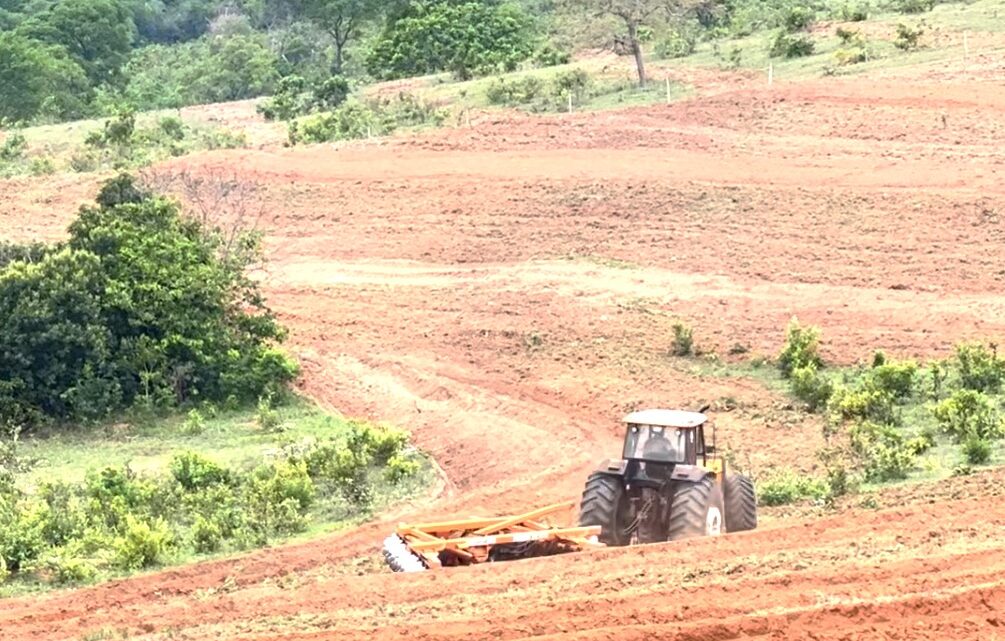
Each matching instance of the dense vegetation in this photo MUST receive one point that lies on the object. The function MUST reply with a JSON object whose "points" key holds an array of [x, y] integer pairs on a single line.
{"points": [[64, 59], [141, 306]]}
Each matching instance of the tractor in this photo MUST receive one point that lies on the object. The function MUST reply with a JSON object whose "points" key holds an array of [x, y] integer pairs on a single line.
{"points": [[669, 484]]}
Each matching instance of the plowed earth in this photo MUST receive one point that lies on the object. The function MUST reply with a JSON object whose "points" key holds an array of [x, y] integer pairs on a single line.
{"points": [[507, 291]]}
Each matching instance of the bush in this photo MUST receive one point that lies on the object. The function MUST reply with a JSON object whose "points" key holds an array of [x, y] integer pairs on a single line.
{"points": [[907, 37], [295, 97], [194, 472], [866, 402], [683, 340], [267, 417], [800, 350], [896, 378], [159, 305], [786, 45], [788, 486], [881, 451], [194, 423], [913, 6], [13, 147], [550, 56], [968, 413], [207, 535], [515, 92], [799, 19], [809, 386], [854, 13], [979, 367], [467, 39], [976, 450], [679, 43], [142, 545]]}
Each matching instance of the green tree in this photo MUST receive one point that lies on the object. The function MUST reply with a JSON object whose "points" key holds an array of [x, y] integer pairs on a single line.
{"points": [[634, 15], [466, 38], [38, 80], [342, 20], [98, 34]]}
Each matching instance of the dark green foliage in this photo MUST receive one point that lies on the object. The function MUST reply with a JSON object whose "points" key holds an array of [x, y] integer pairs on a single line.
{"points": [[465, 38], [294, 97], [907, 37], [913, 6], [142, 304], [213, 69], [801, 348], [195, 472], [977, 450], [13, 147], [39, 80], [786, 45], [799, 19], [98, 34], [897, 378], [11, 252]]}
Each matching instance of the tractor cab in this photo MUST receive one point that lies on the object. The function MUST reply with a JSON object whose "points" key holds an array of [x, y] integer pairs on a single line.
{"points": [[665, 437]]}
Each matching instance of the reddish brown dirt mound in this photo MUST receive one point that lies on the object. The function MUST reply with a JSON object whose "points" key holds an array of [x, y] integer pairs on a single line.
{"points": [[507, 291]]}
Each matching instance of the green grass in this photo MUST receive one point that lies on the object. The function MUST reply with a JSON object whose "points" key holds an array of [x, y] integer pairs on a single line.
{"points": [[147, 444]]}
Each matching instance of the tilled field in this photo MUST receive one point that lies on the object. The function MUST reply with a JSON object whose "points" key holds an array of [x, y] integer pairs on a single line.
{"points": [[507, 292]]}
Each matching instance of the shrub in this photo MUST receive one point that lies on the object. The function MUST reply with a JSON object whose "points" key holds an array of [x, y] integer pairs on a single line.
{"points": [[854, 13], [65, 568], [854, 56], [194, 423], [400, 467], [799, 19], [897, 378], [809, 386], [267, 417], [142, 545], [195, 472], [515, 92], [13, 147], [41, 166], [800, 350], [207, 535], [550, 56], [683, 340], [976, 450], [881, 451], [907, 37], [788, 486], [969, 413], [679, 43], [979, 366], [913, 6], [786, 45], [866, 402], [295, 97]]}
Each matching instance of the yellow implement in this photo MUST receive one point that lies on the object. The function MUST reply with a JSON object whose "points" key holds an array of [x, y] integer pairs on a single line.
{"points": [[423, 546]]}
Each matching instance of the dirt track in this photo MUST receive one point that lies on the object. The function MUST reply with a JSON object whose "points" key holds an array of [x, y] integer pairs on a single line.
{"points": [[507, 292]]}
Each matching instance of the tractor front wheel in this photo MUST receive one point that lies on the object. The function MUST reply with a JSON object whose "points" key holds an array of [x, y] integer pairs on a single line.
{"points": [[605, 503], [696, 510], [741, 503]]}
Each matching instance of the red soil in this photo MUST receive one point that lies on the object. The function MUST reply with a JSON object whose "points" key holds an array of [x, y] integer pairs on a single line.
{"points": [[507, 291]]}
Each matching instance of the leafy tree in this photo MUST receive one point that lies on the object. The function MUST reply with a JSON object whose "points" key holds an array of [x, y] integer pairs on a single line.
{"points": [[340, 19], [634, 15], [466, 38], [98, 34], [38, 79], [140, 304]]}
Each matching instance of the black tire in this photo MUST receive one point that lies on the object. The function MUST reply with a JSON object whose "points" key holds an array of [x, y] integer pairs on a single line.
{"points": [[741, 503], [605, 504], [696, 510]]}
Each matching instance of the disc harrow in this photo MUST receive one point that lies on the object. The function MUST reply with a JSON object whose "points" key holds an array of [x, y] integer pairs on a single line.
{"points": [[425, 546]]}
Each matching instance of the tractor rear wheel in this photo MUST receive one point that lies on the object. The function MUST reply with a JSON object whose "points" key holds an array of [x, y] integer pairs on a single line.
{"points": [[696, 510], [741, 503], [605, 503]]}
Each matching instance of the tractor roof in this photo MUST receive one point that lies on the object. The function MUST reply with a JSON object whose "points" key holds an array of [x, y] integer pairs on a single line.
{"points": [[666, 418]]}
